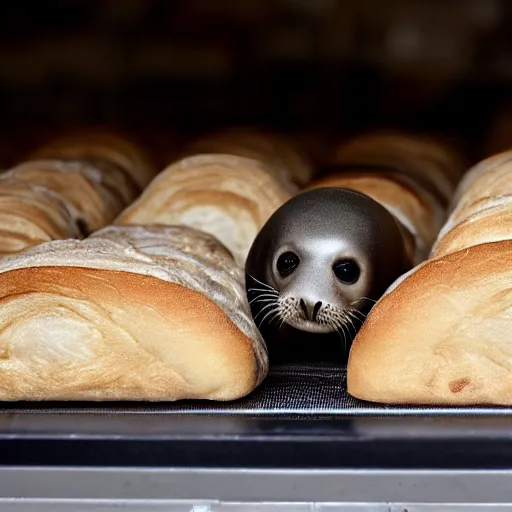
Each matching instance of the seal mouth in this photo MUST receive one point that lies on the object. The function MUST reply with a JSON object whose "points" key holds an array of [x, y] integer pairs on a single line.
{"points": [[309, 326]]}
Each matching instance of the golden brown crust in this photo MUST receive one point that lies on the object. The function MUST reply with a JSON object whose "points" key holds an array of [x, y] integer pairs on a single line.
{"points": [[442, 336], [131, 313], [72, 334]]}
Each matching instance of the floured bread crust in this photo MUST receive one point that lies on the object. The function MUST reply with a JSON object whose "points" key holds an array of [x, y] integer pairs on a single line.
{"points": [[227, 196], [129, 314]]}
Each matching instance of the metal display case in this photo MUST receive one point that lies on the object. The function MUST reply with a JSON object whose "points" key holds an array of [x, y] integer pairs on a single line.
{"points": [[323, 451]]}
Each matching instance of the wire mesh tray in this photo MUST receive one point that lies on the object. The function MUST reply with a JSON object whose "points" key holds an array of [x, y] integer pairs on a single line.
{"points": [[311, 390]]}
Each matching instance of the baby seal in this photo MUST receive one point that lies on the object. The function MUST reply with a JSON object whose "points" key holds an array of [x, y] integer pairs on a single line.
{"points": [[317, 267]]}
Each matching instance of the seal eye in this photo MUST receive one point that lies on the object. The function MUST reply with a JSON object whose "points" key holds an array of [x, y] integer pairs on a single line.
{"points": [[347, 271], [287, 263]]}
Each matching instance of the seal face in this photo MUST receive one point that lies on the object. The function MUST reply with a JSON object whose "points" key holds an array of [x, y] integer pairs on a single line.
{"points": [[316, 268]]}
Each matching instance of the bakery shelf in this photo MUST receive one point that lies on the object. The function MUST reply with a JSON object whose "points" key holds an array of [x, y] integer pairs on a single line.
{"points": [[295, 391], [300, 417]]}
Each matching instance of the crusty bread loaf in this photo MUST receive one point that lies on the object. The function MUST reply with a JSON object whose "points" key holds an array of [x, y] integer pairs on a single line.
{"points": [[278, 153], [80, 184], [227, 196], [430, 163], [132, 313], [416, 210], [103, 147], [442, 334], [31, 214], [77, 185]]}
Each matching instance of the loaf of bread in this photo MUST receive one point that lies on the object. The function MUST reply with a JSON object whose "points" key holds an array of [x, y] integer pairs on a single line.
{"points": [[131, 313], [79, 186], [442, 334], [31, 214], [278, 153], [228, 196]]}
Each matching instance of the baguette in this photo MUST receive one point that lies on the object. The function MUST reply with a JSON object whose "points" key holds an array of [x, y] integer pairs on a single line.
{"points": [[132, 313], [442, 334], [227, 196], [73, 187], [79, 184]]}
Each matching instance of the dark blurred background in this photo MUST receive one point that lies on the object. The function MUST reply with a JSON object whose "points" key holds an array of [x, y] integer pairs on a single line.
{"points": [[166, 70]]}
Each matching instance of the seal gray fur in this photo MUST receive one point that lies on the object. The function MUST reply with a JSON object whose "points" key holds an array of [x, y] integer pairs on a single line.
{"points": [[303, 314]]}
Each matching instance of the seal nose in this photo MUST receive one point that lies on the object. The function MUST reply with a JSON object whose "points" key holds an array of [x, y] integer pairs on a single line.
{"points": [[310, 311]]}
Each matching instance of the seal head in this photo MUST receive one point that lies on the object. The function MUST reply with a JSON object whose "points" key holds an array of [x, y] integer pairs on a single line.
{"points": [[318, 265]]}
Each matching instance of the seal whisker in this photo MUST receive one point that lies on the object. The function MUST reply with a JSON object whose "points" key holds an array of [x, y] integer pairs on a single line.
{"points": [[361, 317], [262, 283], [264, 308], [261, 297], [276, 316], [349, 322], [355, 312], [264, 290], [337, 330], [285, 313], [354, 317], [270, 312], [341, 328], [363, 298], [351, 319], [258, 300], [345, 325], [342, 319]]}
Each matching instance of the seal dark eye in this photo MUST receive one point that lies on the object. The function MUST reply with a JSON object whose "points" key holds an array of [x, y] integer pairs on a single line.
{"points": [[347, 271], [287, 263]]}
